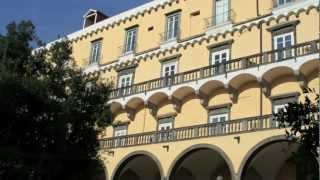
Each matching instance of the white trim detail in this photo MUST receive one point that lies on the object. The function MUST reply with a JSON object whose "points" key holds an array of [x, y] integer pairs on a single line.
{"points": [[127, 14], [258, 72]]}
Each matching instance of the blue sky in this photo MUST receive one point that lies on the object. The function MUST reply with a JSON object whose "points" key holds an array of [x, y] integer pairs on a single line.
{"points": [[58, 17]]}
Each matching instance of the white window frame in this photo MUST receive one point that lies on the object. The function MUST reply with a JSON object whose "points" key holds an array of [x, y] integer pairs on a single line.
{"points": [[95, 53], [219, 53], [125, 77], [224, 15], [130, 40], [165, 134], [285, 2], [219, 116], [278, 107], [169, 64], [165, 126], [172, 26], [120, 133], [285, 53]]}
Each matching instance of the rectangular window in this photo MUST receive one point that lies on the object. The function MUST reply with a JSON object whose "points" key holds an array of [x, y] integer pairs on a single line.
{"points": [[283, 2], [95, 52], [283, 44], [221, 12], [219, 58], [279, 107], [280, 103], [169, 68], [125, 80], [119, 132], [130, 43], [172, 26], [219, 114], [164, 125], [217, 118]]}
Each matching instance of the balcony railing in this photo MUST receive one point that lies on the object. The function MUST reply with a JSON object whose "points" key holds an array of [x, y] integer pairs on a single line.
{"points": [[218, 69], [125, 49], [219, 19], [280, 3], [88, 61], [192, 132], [167, 37]]}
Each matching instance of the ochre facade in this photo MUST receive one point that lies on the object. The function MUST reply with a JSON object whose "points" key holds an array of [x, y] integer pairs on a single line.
{"points": [[271, 56]]}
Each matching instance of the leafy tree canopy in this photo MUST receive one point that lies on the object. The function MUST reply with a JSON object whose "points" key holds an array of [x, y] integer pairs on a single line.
{"points": [[301, 122], [51, 114]]}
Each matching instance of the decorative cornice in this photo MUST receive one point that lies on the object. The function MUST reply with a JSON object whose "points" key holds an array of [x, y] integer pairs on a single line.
{"points": [[118, 19], [199, 40]]}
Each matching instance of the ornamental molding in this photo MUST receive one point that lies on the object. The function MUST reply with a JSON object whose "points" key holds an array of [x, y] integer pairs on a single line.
{"points": [[206, 39]]}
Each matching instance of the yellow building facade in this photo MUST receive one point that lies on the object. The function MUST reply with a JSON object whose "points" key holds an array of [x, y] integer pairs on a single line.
{"points": [[195, 84]]}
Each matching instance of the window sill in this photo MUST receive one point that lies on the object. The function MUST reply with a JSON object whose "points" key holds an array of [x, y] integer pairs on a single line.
{"points": [[91, 68], [126, 56], [219, 28], [169, 43]]}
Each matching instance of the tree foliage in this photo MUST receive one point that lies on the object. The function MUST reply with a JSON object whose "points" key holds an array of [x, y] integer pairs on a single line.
{"points": [[51, 114], [301, 121]]}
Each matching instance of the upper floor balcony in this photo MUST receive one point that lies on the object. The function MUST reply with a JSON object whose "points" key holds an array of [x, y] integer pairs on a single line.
{"points": [[169, 38], [220, 19], [192, 132], [258, 61], [127, 51]]}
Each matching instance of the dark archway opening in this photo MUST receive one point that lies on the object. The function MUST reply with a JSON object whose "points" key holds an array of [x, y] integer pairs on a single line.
{"points": [[138, 167], [280, 160], [201, 164]]}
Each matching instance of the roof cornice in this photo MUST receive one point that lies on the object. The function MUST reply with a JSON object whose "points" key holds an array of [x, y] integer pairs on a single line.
{"points": [[203, 38]]}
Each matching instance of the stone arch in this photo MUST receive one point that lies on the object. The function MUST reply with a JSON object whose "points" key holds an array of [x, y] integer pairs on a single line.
{"points": [[257, 147], [254, 151], [182, 155], [182, 92], [242, 79], [276, 72], [122, 163], [158, 97]]}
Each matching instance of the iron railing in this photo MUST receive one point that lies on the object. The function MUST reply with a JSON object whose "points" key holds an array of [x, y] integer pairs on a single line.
{"points": [[88, 61], [255, 60], [219, 19], [192, 132], [125, 49], [167, 37]]}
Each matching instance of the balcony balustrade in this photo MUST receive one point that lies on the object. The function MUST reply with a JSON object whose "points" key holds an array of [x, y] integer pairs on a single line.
{"points": [[255, 60], [192, 132], [220, 19], [127, 49], [167, 37]]}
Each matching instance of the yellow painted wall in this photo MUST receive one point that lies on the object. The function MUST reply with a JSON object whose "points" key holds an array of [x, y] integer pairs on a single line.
{"points": [[249, 97], [234, 151], [195, 56], [194, 113], [245, 43]]}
